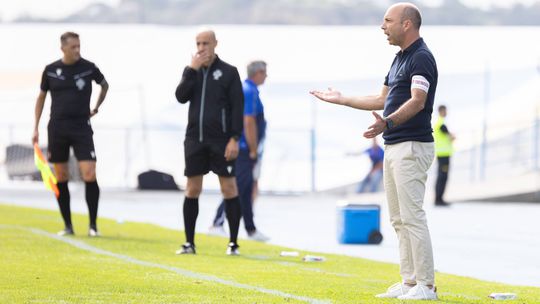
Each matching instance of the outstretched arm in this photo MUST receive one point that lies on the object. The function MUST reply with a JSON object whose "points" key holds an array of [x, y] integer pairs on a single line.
{"points": [[372, 102]]}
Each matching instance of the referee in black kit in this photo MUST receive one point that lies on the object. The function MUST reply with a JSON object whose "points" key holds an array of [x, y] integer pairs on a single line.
{"points": [[70, 82], [214, 90]]}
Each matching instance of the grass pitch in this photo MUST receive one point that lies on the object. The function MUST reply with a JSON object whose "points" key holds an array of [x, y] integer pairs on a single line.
{"points": [[135, 263]]}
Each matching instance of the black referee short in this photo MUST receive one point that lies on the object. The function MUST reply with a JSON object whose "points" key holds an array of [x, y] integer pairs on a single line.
{"points": [[67, 133], [200, 158]]}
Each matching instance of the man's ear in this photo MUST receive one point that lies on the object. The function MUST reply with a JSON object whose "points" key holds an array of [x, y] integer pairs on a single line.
{"points": [[407, 24]]}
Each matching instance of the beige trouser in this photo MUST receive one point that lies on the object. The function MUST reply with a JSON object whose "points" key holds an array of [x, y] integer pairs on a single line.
{"points": [[405, 173]]}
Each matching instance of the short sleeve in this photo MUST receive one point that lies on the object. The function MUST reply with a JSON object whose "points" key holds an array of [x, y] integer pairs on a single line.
{"points": [[386, 79], [444, 129], [250, 99], [423, 64], [44, 81], [97, 76]]}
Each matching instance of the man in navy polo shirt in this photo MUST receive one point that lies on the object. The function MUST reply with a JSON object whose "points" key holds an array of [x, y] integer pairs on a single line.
{"points": [[407, 100]]}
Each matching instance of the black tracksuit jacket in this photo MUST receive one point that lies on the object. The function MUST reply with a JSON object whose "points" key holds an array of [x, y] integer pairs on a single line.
{"points": [[216, 99]]}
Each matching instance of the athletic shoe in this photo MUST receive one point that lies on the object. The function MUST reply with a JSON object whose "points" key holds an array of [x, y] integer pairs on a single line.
{"points": [[92, 232], [420, 292], [66, 231], [396, 290], [442, 204], [233, 249], [217, 231], [258, 236], [186, 248]]}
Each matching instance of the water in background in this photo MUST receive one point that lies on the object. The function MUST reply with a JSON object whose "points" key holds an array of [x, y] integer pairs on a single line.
{"points": [[141, 125]]}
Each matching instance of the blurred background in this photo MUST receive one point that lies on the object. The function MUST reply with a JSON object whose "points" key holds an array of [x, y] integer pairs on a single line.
{"points": [[488, 55]]}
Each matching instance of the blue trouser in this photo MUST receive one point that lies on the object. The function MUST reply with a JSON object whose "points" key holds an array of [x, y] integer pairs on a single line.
{"points": [[244, 182], [371, 182]]}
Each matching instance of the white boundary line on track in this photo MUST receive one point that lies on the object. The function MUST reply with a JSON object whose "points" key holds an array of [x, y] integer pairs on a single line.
{"points": [[190, 274]]}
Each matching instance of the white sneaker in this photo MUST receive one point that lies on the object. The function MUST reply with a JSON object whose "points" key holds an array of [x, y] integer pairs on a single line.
{"points": [[93, 232], [217, 231], [396, 290], [420, 292], [233, 249], [258, 236]]}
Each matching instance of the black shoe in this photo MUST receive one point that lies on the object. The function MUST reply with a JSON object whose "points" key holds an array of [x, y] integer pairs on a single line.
{"points": [[186, 248], [233, 249], [442, 204]]}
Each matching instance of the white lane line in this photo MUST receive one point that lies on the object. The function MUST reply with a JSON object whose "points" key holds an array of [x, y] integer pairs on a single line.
{"points": [[183, 272]]}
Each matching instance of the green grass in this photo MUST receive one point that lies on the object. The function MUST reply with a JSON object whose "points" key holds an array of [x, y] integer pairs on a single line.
{"points": [[38, 269]]}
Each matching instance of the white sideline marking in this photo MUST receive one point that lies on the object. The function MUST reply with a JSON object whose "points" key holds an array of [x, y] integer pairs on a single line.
{"points": [[183, 272]]}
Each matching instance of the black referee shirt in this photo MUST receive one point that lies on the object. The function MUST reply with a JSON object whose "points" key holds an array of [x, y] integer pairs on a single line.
{"points": [[71, 88]]}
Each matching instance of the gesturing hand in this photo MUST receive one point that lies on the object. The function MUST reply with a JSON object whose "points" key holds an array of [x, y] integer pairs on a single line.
{"points": [[377, 128], [331, 95]]}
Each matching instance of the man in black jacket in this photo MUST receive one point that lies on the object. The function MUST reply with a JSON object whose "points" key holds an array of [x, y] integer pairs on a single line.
{"points": [[215, 120]]}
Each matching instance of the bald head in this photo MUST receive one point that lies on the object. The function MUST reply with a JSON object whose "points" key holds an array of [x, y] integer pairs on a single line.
{"points": [[402, 24], [408, 11], [207, 33]]}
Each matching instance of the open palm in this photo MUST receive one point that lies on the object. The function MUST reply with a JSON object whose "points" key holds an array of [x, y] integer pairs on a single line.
{"points": [[330, 95]]}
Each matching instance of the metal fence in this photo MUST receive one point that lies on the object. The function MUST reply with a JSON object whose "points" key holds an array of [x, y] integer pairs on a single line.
{"points": [[295, 160]]}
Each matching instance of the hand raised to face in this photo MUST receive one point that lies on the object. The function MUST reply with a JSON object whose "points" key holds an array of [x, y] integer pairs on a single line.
{"points": [[200, 59]]}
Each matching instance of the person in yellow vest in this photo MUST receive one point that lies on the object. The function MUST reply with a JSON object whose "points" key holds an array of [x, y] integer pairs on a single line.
{"points": [[443, 150]]}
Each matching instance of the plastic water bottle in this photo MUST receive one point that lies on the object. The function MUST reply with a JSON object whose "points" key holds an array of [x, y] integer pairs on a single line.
{"points": [[503, 296], [313, 258], [289, 254]]}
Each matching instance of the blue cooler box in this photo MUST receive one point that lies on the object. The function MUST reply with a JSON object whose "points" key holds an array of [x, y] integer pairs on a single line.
{"points": [[358, 224]]}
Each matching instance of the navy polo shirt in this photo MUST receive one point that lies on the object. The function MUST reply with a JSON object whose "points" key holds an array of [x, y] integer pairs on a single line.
{"points": [[416, 60]]}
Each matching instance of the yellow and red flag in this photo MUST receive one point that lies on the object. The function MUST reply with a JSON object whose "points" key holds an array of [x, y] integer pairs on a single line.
{"points": [[46, 174]]}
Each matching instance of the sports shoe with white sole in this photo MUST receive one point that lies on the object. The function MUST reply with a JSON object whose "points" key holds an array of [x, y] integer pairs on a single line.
{"points": [[217, 231], [92, 232], [420, 292], [258, 236], [396, 290], [233, 249], [66, 231], [186, 248]]}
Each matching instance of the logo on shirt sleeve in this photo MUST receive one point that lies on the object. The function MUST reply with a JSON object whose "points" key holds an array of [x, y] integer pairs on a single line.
{"points": [[58, 71]]}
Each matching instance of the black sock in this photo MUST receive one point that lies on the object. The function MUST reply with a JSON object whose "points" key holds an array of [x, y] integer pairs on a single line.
{"points": [[63, 202], [191, 211], [92, 199], [233, 211]]}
